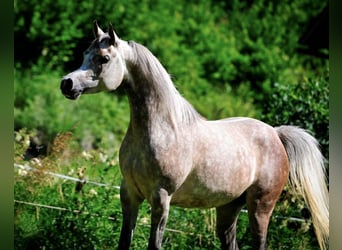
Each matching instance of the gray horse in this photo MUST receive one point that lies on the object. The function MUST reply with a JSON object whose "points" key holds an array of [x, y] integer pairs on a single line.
{"points": [[173, 156]]}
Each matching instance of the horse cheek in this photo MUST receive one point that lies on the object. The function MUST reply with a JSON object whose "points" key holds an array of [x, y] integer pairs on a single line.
{"points": [[114, 75]]}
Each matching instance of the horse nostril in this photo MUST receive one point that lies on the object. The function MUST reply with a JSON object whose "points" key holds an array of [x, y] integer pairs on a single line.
{"points": [[66, 84]]}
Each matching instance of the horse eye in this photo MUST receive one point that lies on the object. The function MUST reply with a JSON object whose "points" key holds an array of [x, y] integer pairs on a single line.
{"points": [[105, 59]]}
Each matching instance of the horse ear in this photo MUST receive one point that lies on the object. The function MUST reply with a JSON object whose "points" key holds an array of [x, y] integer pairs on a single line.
{"points": [[113, 37], [97, 30]]}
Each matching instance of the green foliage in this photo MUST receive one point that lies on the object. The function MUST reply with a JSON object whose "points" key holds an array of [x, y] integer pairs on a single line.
{"points": [[208, 48], [267, 41], [305, 104]]}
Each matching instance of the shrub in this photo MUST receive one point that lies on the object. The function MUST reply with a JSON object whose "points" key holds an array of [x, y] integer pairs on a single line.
{"points": [[219, 42], [305, 104]]}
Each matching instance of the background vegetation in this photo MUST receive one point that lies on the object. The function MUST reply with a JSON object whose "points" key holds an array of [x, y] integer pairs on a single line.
{"points": [[228, 58]]}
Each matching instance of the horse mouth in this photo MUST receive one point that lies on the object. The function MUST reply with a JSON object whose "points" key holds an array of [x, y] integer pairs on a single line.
{"points": [[72, 95]]}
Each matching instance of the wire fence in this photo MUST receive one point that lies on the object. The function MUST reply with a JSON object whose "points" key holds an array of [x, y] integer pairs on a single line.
{"points": [[86, 181], [62, 176]]}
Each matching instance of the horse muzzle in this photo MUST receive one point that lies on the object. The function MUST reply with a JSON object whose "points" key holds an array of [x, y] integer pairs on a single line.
{"points": [[68, 90]]}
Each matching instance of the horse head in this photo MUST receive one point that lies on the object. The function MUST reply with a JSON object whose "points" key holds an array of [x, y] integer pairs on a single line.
{"points": [[103, 66]]}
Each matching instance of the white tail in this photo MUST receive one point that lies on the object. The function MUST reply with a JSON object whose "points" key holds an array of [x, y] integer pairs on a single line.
{"points": [[308, 176]]}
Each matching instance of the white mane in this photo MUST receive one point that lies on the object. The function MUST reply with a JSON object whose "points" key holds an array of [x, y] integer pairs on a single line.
{"points": [[154, 74]]}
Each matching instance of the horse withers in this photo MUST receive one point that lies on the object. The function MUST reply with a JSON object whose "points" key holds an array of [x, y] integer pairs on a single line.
{"points": [[173, 156]]}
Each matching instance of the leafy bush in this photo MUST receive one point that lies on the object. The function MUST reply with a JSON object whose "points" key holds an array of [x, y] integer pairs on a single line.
{"points": [[305, 105], [217, 42]]}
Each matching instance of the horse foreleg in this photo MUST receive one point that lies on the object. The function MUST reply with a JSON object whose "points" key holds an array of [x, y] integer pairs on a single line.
{"points": [[130, 207], [226, 220], [160, 203]]}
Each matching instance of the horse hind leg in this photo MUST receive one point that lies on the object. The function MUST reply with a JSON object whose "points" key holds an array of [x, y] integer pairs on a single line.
{"points": [[226, 221], [260, 205]]}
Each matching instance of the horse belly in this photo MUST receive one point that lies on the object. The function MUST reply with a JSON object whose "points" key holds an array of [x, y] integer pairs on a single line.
{"points": [[200, 199], [201, 192], [221, 174]]}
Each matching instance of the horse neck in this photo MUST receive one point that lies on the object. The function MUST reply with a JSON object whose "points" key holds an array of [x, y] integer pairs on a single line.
{"points": [[153, 98]]}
